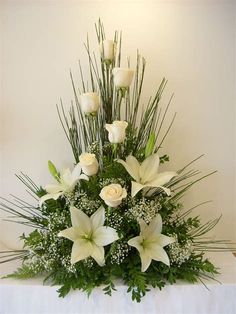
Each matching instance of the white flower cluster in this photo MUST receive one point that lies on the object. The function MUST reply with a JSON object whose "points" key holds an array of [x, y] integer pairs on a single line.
{"points": [[108, 181], [179, 253], [88, 262], [144, 209], [56, 219], [66, 262], [84, 203], [43, 255], [115, 220], [40, 262], [94, 148], [34, 263], [119, 253]]}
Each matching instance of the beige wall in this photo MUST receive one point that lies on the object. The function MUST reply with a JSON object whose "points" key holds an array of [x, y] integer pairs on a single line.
{"points": [[192, 43]]}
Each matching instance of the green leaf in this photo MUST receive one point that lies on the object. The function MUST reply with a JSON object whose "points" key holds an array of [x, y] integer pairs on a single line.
{"points": [[64, 290], [150, 144], [53, 170]]}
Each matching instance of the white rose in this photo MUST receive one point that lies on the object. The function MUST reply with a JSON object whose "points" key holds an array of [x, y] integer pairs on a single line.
{"points": [[113, 194], [108, 49], [116, 131], [89, 164], [122, 77], [89, 102]]}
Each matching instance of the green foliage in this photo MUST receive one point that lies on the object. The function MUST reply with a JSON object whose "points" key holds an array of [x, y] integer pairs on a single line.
{"points": [[23, 272], [135, 279], [109, 288]]}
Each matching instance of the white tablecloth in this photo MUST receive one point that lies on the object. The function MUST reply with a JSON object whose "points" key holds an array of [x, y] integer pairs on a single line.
{"points": [[30, 296]]}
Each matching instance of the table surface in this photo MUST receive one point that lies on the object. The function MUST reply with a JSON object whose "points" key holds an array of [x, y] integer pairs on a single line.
{"points": [[32, 297]]}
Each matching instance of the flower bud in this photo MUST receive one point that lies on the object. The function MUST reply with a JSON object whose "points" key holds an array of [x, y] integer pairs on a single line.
{"points": [[108, 49], [89, 164], [89, 102], [122, 77], [116, 131]]}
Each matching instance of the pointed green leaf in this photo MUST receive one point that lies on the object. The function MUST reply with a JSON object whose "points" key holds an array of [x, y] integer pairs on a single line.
{"points": [[53, 170], [150, 144]]}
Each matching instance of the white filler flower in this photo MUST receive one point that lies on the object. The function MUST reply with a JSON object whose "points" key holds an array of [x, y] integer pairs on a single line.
{"points": [[108, 49], [89, 164], [66, 184], [89, 102], [116, 131], [89, 235], [146, 174], [113, 194], [150, 243], [122, 77]]}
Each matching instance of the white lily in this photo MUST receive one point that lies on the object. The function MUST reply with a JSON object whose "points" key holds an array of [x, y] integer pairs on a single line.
{"points": [[89, 235], [150, 243], [146, 174], [66, 184]]}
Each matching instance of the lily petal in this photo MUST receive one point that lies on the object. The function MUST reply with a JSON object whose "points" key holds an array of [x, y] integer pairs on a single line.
{"points": [[105, 235], [66, 177], [83, 177], [162, 178], [132, 166], [53, 188], [48, 197], [142, 225], [166, 190], [81, 249], [69, 233], [149, 168], [145, 260], [98, 218], [164, 240], [76, 172], [154, 227], [135, 242], [80, 220], [159, 254], [136, 187], [98, 254]]}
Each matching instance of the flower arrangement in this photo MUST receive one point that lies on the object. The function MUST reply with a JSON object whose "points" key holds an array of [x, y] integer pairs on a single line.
{"points": [[115, 214]]}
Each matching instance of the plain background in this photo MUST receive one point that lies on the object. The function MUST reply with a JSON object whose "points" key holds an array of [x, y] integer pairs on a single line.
{"points": [[191, 43]]}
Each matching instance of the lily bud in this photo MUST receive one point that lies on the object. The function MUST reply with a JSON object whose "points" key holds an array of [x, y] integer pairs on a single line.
{"points": [[150, 145], [53, 170]]}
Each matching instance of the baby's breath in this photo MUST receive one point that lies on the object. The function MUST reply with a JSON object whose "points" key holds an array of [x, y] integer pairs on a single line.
{"points": [[179, 253], [144, 208], [108, 181], [119, 252], [86, 204]]}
